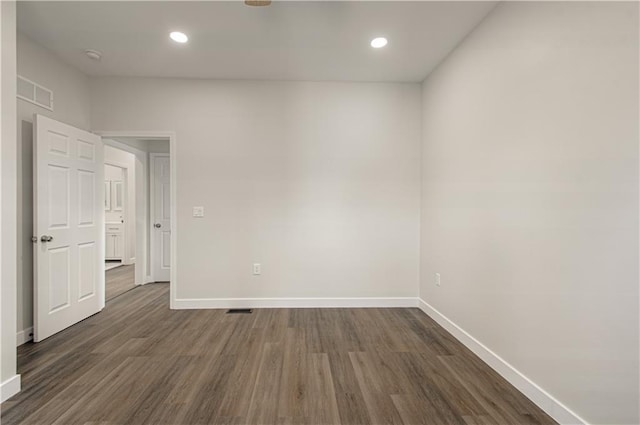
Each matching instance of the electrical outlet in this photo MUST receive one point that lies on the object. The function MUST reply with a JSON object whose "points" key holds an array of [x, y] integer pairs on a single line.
{"points": [[257, 269], [437, 279]]}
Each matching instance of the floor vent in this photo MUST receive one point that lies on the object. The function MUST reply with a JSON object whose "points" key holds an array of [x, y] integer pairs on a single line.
{"points": [[240, 311]]}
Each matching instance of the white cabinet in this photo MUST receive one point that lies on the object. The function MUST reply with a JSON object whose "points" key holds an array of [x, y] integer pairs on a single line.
{"points": [[114, 242]]}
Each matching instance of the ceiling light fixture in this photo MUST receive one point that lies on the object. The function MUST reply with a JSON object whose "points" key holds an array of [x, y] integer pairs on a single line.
{"points": [[93, 54], [257, 2], [179, 37], [378, 42]]}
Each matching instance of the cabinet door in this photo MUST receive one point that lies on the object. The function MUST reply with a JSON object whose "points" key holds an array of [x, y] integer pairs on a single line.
{"points": [[110, 248], [107, 195], [118, 246]]}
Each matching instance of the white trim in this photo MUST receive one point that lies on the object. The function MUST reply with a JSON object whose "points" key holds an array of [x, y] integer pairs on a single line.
{"points": [[222, 303], [24, 336], [530, 389], [9, 388]]}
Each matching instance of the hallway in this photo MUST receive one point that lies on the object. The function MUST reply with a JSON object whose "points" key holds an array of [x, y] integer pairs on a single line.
{"points": [[119, 280]]}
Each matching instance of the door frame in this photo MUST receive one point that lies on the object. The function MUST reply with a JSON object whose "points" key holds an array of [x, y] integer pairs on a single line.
{"points": [[142, 218], [152, 198]]}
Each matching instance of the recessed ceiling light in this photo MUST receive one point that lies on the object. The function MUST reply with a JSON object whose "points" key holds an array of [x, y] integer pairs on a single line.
{"points": [[179, 37], [93, 54], [257, 2], [378, 42]]}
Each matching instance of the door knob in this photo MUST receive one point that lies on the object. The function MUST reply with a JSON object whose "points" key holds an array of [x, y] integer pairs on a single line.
{"points": [[46, 238], [157, 225]]}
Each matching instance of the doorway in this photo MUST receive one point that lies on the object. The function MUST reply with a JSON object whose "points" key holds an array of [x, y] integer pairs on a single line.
{"points": [[153, 203], [120, 229]]}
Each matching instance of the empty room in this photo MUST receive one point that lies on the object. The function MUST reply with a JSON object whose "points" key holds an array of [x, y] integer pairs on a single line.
{"points": [[320, 212]]}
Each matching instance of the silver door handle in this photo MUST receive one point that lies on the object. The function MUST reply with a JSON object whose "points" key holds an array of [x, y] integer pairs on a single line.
{"points": [[46, 238], [157, 225]]}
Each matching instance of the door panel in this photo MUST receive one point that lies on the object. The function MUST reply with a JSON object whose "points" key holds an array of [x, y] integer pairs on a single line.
{"points": [[68, 225], [87, 195], [59, 278], [58, 197], [88, 272], [161, 217]]}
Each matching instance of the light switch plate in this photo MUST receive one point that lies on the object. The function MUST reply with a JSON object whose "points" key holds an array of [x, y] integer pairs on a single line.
{"points": [[198, 212]]}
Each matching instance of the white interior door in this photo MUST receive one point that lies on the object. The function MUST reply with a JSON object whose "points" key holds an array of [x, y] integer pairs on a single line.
{"points": [[160, 217], [68, 226]]}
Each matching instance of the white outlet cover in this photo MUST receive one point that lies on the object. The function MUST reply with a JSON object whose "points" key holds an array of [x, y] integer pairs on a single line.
{"points": [[438, 279], [198, 212], [257, 269]]}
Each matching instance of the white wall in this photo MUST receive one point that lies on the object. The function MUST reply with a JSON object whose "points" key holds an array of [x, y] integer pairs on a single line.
{"points": [[71, 106], [318, 182], [145, 145], [9, 381], [530, 197], [113, 173]]}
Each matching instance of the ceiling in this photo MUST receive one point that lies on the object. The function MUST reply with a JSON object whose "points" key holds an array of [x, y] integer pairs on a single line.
{"points": [[326, 40]]}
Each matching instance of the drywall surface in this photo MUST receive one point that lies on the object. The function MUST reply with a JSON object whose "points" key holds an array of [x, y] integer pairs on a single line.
{"points": [[8, 367], [145, 145], [318, 182], [530, 197], [71, 106]]}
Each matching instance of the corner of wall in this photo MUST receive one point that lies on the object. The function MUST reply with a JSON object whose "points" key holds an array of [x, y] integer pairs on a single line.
{"points": [[10, 381], [526, 386]]}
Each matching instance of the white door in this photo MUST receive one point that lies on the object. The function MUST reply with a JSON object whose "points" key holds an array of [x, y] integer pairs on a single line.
{"points": [[68, 226], [160, 217]]}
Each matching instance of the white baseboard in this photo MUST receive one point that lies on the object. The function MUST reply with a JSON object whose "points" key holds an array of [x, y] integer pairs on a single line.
{"points": [[24, 336], [554, 408], [184, 304], [9, 388]]}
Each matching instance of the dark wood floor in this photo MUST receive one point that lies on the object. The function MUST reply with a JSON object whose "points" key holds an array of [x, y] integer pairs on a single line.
{"points": [[119, 280], [138, 362]]}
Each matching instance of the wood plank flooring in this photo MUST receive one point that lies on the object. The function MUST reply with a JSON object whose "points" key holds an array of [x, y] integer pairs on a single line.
{"points": [[119, 280], [138, 362]]}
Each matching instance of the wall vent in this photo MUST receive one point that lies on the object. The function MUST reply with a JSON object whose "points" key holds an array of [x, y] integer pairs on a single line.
{"points": [[35, 93]]}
